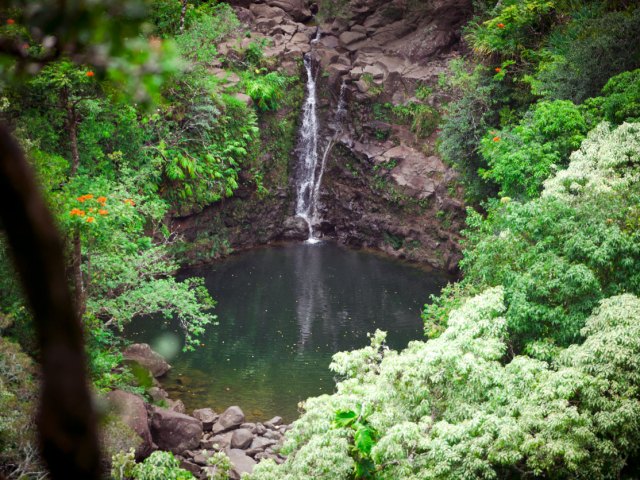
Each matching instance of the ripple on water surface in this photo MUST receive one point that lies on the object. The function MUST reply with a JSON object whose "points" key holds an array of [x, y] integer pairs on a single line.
{"points": [[283, 312]]}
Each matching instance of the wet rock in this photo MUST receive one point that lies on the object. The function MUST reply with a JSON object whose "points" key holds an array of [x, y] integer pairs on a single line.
{"points": [[295, 228], [142, 354], [175, 431], [132, 411], [241, 438], [207, 416]]}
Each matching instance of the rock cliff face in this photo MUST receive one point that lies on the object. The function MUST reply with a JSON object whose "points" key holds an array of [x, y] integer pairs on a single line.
{"points": [[384, 186]]}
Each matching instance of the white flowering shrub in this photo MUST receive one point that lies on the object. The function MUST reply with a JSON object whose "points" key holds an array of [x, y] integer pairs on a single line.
{"points": [[450, 408], [608, 160]]}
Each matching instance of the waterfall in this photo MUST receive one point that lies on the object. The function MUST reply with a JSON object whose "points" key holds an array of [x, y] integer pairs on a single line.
{"points": [[306, 191], [311, 166]]}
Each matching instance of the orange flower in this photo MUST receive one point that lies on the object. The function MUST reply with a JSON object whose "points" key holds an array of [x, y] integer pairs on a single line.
{"points": [[10, 21], [74, 211], [128, 201], [102, 211], [498, 69], [501, 25], [496, 139], [88, 196], [90, 219], [102, 200], [80, 213], [81, 199], [90, 73]]}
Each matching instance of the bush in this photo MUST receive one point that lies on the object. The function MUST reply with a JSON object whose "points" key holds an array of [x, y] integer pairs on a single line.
{"points": [[558, 255], [158, 466], [591, 52], [266, 90], [450, 409], [520, 158], [465, 122], [622, 98]]}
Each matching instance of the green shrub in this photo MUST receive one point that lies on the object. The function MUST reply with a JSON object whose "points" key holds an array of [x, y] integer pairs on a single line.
{"points": [[521, 157], [158, 466], [591, 51], [267, 91], [622, 98]]}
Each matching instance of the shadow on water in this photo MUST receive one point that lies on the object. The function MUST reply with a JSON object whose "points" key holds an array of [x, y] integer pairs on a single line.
{"points": [[284, 311]]}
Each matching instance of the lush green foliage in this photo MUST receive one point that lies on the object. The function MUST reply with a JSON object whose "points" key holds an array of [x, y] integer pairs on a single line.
{"points": [[521, 157], [449, 408], [159, 465]]}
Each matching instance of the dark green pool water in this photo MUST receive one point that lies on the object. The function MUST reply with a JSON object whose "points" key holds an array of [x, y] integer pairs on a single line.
{"points": [[283, 312]]}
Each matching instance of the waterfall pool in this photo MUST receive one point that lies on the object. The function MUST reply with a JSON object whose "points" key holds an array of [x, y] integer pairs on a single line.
{"points": [[283, 312]]}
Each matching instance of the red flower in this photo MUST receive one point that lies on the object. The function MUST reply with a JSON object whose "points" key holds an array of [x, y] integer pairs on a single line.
{"points": [[101, 200], [496, 139], [501, 25], [90, 73], [498, 69], [10, 21], [90, 219]]}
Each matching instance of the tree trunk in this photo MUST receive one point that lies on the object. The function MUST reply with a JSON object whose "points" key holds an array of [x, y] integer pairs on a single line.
{"points": [[66, 419], [183, 14], [78, 282], [72, 125]]}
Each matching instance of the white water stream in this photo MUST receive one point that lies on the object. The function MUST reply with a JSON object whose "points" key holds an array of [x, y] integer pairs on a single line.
{"points": [[311, 164]]}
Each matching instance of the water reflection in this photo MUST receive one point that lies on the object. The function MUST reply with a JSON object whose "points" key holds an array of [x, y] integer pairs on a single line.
{"points": [[283, 313]]}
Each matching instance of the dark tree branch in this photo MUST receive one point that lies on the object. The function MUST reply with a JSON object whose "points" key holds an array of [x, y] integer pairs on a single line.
{"points": [[66, 420]]}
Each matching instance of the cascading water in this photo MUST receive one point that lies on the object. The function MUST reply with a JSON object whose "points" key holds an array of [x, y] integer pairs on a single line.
{"points": [[311, 167], [307, 191]]}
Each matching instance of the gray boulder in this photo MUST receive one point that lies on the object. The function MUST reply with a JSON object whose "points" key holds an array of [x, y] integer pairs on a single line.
{"points": [[175, 431], [241, 438], [207, 416]]}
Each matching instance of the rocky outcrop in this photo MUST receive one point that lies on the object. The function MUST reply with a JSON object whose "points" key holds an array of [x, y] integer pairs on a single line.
{"points": [[142, 354], [385, 186]]}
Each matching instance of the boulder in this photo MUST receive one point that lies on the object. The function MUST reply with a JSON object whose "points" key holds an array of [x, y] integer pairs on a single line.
{"points": [[261, 443], [175, 431], [142, 354], [261, 11], [207, 416], [295, 228], [274, 422], [222, 441], [295, 8], [132, 411], [240, 461], [241, 438], [349, 38], [232, 418]]}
